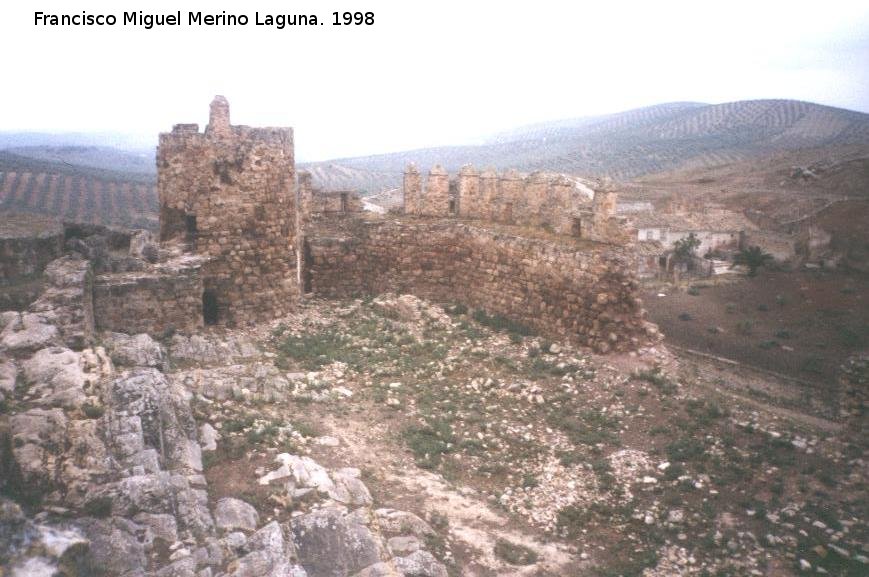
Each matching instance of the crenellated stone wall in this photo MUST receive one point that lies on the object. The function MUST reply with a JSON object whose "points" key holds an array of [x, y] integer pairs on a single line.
{"points": [[230, 194], [552, 202], [434, 199], [576, 289]]}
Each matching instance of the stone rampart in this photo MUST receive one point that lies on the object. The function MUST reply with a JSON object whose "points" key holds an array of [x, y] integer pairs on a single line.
{"points": [[574, 289]]}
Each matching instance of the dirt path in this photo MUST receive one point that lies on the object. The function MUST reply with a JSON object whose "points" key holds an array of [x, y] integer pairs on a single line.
{"points": [[474, 526]]}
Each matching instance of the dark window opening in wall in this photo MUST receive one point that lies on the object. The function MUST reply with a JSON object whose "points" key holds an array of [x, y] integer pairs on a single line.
{"points": [[344, 202], [452, 207], [190, 226], [508, 212], [576, 227], [209, 307]]}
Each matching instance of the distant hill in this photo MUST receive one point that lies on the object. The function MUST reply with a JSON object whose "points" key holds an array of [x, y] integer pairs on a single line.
{"points": [[109, 178], [77, 193], [103, 157], [625, 145]]}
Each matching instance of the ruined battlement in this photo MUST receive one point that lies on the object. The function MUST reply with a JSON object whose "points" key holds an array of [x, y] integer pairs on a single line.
{"points": [[229, 193], [242, 243], [550, 201]]}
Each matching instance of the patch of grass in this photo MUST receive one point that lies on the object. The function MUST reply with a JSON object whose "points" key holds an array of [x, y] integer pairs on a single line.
{"points": [[685, 450], [238, 424], [513, 553], [307, 429], [438, 521], [657, 378], [314, 350], [93, 411], [589, 427], [429, 442], [745, 327]]}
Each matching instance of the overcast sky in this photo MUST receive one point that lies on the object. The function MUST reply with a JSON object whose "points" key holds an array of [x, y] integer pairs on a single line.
{"points": [[427, 73]]}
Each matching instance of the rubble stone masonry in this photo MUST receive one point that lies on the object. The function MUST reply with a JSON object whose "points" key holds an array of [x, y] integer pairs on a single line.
{"points": [[230, 193], [164, 298], [542, 200], [577, 289]]}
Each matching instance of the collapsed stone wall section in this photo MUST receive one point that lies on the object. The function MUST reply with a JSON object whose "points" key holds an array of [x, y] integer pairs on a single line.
{"points": [[583, 292], [164, 299]]}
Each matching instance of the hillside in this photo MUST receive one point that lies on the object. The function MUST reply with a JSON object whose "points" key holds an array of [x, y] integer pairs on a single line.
{"points": [[626, 145], [76, 193], [101, 157]]}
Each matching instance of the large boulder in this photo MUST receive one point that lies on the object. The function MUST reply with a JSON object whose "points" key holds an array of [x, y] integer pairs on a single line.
{"points": [[331, 543], [420, 564], [230, 513], [270, 556], [26, 333], [135, 351], [56, 377]]}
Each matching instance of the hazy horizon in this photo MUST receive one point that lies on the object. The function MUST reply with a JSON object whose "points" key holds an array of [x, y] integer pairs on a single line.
{"points": [[449, 74]]}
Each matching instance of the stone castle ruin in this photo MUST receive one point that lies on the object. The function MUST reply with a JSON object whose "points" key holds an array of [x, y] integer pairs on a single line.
{"points": [[241, 242], [541, 200], [230, 194]]}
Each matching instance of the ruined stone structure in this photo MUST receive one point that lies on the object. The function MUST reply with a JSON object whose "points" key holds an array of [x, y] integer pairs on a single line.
{"points": [[239, 245], [164, 298], [575, 289], [541, 200], [230, 193]]}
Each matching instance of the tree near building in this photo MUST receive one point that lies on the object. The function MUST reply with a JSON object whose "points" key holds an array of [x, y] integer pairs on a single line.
{"points": [[753, 257], [685, 248]]}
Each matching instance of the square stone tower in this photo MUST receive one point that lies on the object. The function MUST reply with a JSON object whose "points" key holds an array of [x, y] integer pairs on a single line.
{"points": [[229, 193]]}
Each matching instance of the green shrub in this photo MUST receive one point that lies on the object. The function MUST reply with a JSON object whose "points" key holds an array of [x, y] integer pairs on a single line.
{"points": [[92, 411], [429, 442], [513, 553]]}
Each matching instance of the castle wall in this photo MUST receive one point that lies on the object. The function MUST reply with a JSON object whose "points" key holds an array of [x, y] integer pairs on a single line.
{"points": [[435, 197], [578, 291], [470, 200], [168, 297], [27, 244], [230, 193], [541, 200]]}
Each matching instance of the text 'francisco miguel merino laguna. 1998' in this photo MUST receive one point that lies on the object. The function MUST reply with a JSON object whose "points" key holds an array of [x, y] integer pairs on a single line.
{"points": [[148, 21]]}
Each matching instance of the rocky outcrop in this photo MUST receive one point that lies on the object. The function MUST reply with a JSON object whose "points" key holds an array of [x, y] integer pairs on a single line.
{"points": [[103, 449], [67, 301]]}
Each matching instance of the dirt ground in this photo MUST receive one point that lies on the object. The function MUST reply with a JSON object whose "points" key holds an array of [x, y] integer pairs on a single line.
{"points": [[802, 324]]}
